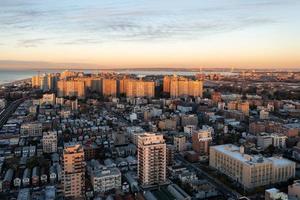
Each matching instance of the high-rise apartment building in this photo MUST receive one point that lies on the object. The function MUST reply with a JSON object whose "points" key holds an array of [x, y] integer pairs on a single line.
{"points": [[181, 87], [71, 88], [109, 87], [123, 85], [140, 88], [50, 142], [151, 159], [166, 84], [35, 82], [96, 85], [45, 82], [195, 88], [201, 140], [250, 170], [73, 171]]}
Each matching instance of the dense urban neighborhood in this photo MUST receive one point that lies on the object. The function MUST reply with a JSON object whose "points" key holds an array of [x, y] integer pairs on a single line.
{"points": [[109, 135]]}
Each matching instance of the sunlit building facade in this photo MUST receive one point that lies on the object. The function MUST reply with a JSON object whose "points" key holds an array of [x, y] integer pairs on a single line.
{"points": [[73, 171], [151, 159], [250, 170], [71, 88], [109, 87], [182, 87], [140, 88]]}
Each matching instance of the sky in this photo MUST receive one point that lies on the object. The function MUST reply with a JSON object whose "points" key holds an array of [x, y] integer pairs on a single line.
{"points": [[150, 33]]}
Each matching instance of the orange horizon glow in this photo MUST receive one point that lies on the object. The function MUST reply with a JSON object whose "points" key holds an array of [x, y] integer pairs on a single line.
{"points": [[169, 34]]}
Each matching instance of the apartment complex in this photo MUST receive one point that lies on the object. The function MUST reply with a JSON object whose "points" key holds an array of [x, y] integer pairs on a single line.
{"points": [[71, 88], [73, 170], [123, 85], [181, 87], [151, 159], [50, 142], [167, 84], [250, 170], [109, 87], [140, 88], [45, 82]]}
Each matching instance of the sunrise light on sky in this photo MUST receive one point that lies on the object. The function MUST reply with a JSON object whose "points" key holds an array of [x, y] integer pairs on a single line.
{"points": [[144, 33]]}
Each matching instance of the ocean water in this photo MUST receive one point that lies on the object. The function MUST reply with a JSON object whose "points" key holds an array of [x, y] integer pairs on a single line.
{"points": [[7, 76]]}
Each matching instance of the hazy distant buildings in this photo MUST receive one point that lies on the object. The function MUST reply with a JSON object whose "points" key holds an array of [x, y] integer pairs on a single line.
{"points": [[181, 87], [96, 85], [151, 159], [109, 87], [67, 74], [167, 84], [71, 88], [73, 84], [45, 82], [140, 88]]}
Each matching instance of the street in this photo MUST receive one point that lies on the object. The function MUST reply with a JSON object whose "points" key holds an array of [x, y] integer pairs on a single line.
{"points": [[9, 110], [221, 187]]}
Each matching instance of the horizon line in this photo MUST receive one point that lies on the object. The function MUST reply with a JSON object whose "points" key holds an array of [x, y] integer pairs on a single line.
{"points": [[34, 65]]}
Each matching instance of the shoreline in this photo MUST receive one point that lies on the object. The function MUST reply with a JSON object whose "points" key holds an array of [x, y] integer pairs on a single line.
{"points": [[14, 82]]}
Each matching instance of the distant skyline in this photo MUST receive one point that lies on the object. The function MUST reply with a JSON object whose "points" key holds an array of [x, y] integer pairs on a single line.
{"points": [[145, 34]]}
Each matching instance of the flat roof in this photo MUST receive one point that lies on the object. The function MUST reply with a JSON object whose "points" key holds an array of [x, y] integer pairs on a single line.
{"points": [[279, 161], [234, 152]]}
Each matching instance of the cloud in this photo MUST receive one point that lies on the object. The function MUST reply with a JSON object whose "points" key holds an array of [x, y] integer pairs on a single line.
{"points": [[32, 42], [20, 64], [79, 41], [95, 22]]}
